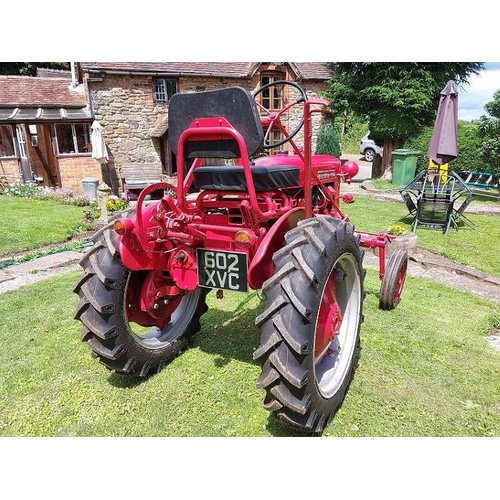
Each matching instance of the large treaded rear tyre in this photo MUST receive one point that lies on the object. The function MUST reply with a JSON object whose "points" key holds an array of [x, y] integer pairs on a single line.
{"points": [[106, 290], [310, 324]]}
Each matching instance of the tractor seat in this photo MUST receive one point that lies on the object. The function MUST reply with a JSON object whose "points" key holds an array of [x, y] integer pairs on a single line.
{"points": [[226, 178]]}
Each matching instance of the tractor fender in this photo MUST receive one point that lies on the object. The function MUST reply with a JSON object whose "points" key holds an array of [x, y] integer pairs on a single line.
{"points": [[262, 267]]}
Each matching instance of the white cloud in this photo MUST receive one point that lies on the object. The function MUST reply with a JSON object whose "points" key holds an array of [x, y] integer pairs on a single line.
{"points": [[478, 92]]}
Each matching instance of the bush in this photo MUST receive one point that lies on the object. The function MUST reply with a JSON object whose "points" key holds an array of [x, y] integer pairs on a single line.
{"points": [[469, 144], [355, 130], [115, 204], [328, 142], [61, 195], [64, 195], [26, 190]]}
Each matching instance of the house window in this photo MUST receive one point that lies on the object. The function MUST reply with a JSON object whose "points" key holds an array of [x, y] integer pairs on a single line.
{"points": [[73, 138], [272, 98], [6, 141], [164, 89]]}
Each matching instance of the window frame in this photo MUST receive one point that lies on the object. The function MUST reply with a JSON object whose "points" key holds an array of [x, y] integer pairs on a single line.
{"points": [[272, 76], [168, 95], [74, 138], [15, 153]]}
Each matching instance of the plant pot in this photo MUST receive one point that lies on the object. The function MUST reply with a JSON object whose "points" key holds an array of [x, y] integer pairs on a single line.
{"points": [[407, 241]]}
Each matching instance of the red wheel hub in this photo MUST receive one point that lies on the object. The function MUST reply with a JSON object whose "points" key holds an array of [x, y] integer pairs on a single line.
{"points": [[151, 299], [329, 320], [400, 280]]}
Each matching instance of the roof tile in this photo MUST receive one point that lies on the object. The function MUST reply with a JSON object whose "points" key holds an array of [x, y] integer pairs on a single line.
{"points": [[34, 91], [307, 70]]}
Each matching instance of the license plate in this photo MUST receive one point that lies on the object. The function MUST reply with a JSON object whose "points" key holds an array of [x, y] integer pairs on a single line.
{"points": [[222, 270]]}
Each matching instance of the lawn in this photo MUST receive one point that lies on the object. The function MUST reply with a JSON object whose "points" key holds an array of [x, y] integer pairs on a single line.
{"points": [[425, 370], [31, 223], [466, 246]]}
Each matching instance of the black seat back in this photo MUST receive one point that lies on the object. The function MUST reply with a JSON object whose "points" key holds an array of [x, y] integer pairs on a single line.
{"points": [[235, 104]]}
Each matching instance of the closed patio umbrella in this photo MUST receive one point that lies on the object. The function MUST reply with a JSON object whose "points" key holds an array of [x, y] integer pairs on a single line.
{"points": [[444, 145], [99, 150]]}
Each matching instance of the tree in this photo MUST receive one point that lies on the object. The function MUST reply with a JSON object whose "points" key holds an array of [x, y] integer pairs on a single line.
{"points": [[29, 68], [397, 99], [489, 131]]}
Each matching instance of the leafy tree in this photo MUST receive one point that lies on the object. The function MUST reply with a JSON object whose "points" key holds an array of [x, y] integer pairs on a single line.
{"points": [[29, 68], [489, 131], [397, 99], [469, 144]]}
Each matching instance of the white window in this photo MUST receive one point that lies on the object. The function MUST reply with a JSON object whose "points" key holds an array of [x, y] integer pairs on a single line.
{"points": [[164, 89], [73, 138]]}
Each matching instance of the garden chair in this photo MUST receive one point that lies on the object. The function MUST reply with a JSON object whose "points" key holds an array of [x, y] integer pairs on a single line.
{"points": [[410, 204]]}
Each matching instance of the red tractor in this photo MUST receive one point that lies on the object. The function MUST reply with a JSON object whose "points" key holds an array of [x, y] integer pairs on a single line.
{"points": [[236, 223]]}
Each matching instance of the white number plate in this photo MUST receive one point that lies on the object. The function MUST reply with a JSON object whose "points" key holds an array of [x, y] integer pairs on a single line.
{"points": [[222, 270]]}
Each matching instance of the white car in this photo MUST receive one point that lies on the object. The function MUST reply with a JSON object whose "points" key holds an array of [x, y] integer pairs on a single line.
{"points": [[368, 148]]}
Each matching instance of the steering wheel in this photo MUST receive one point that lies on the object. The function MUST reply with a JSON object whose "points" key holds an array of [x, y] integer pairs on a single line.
{"points": [[272, 118]]}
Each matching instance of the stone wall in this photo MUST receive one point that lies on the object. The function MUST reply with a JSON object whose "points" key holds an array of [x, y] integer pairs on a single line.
{"points": [[124, 106]]}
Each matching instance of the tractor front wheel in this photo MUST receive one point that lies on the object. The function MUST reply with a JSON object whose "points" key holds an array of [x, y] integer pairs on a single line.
{"points": [[127, 336], [310, 324], [393, 280]]}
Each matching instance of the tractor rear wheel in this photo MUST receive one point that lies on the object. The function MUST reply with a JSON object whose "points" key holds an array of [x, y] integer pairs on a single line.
{"points": [[310, 324], [121, 332], [393, 280]]}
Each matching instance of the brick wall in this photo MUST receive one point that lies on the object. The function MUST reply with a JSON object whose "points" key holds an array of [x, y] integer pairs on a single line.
{"points": [[74, 169], [10, 170]]}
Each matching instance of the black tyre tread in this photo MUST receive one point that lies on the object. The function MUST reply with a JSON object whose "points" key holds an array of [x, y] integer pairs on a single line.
{"points": [[388, 285], [286, 320], [104, 328]]}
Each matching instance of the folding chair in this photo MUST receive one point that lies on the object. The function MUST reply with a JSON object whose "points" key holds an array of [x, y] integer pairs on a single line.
{"points": [[410, 204], [458, 213], [434, 211]]}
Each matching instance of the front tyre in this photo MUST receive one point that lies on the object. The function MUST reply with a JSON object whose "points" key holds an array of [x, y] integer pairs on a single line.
{"points": [[120, 332], [310, 324], [393, 280]]}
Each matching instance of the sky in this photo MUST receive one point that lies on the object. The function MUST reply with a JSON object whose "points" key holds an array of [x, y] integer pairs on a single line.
{"points": [[473, 97]]}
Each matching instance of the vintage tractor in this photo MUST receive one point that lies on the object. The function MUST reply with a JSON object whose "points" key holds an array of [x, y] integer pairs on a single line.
{"points": [[236, 223]]}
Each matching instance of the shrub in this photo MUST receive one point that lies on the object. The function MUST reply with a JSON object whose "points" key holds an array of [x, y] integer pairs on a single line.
{"points": [[64, 195], [26, 190], [397, 230], [61, 195], [469, 144], [115, 204], [355, 129], [328, 142]]}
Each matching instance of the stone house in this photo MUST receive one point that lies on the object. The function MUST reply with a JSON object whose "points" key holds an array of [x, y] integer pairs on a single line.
{"points": [[130, 101]]}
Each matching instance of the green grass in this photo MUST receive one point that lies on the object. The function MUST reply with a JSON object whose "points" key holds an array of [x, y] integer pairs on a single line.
{"points": [[425, 370], [466, 246], [30, 223]]}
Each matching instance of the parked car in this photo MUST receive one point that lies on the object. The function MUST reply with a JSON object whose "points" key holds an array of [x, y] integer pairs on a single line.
{"points": [[368, 148]]}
